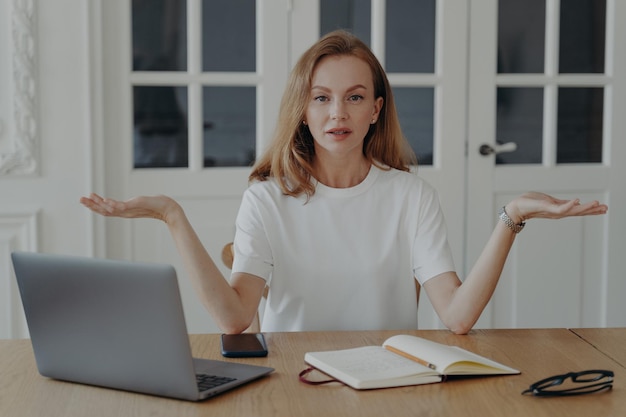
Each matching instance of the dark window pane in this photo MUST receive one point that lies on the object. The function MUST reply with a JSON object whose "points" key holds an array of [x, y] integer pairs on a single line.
{"points": [[579, 125], [416, 112], [582, 34], [159, 35], [520, 120], [521, 36], [229, 126], [229, 35], [160, 127], [352, 15], [410, 37]]}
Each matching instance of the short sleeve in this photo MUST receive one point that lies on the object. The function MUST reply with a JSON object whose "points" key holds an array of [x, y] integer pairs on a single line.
{"points": [[253, 254], [431, 252]]}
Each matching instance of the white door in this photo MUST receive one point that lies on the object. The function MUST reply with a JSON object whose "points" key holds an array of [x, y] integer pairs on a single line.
{"points": [[192, 90], [548, 76]]}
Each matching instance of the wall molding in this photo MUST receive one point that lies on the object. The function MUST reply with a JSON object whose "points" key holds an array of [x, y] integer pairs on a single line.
{"points": [[18, 232], [21, 157]]}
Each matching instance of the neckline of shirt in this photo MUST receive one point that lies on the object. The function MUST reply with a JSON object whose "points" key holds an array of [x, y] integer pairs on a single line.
{"points": [[361, 187]]}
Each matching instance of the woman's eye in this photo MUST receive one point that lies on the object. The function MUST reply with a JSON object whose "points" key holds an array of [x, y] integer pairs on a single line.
{"points": [[355, 97], [321, 98]]}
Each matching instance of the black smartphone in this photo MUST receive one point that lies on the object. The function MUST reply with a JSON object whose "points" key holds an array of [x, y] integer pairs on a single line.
{"points": [[244, 345]]}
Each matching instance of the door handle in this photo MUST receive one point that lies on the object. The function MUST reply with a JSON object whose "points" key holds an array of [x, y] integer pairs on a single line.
{"points": [[486, 149]]}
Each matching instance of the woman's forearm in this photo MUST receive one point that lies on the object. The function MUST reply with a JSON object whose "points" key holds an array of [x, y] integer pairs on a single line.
{"points": [[227, 305], [471, 297]]}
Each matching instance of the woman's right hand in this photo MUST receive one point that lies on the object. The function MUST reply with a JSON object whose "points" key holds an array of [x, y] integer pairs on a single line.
{"points": [[157, 207]]}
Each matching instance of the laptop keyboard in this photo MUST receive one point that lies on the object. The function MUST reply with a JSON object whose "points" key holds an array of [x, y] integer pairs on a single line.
{"points": [[206, 382]]}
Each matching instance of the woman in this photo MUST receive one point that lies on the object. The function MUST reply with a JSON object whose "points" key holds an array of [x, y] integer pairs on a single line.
{"points": [[334, 221]]}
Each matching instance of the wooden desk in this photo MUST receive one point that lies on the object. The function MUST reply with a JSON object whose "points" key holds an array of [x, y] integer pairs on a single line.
{"points": [[538, 353], [611, 342]]}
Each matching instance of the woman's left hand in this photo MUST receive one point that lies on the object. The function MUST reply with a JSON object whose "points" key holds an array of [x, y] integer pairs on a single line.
{"points": [[539, 205]]}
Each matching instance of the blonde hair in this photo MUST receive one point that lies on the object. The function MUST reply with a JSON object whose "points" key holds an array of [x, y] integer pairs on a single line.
{"points": [[289, 157]]}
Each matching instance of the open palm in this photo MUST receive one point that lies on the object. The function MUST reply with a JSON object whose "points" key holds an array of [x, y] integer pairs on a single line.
{"points": [[155, 207], [539, 205]]}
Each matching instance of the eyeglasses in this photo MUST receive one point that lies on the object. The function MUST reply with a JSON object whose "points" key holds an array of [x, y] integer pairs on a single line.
{"points": [[593, 380]]}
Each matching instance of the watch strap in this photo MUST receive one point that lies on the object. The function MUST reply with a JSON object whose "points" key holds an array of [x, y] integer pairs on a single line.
{"points": [[515, 227]]}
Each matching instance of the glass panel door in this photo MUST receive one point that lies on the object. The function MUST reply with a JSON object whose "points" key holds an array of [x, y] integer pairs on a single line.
{"points": [[539, 105], [191, 92]]}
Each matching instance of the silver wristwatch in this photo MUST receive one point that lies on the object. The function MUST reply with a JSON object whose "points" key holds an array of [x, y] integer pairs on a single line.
{"points": [[510, 224]]}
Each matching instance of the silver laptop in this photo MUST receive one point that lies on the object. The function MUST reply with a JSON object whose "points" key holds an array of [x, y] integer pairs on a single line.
{"points": [[117, 324]]}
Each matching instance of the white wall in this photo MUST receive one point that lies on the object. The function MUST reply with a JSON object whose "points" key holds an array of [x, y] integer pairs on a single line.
{"points": [[39, 207]]}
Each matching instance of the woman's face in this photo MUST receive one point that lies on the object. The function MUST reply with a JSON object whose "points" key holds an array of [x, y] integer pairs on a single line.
{"points": [[341, 106]]}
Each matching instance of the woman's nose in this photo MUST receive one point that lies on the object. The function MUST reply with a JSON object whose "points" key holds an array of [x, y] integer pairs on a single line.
{"points": [[338, 111]]}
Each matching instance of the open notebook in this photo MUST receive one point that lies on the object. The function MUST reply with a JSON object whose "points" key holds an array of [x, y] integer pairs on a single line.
{"points": [[401, 360], [119, 325]]}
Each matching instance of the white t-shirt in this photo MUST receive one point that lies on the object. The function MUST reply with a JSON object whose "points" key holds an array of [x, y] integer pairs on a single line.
{"points": [[347, 258]]}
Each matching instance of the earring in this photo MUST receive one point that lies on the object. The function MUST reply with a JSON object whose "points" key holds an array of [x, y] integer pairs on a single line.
{"points": [[304, 122]]}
